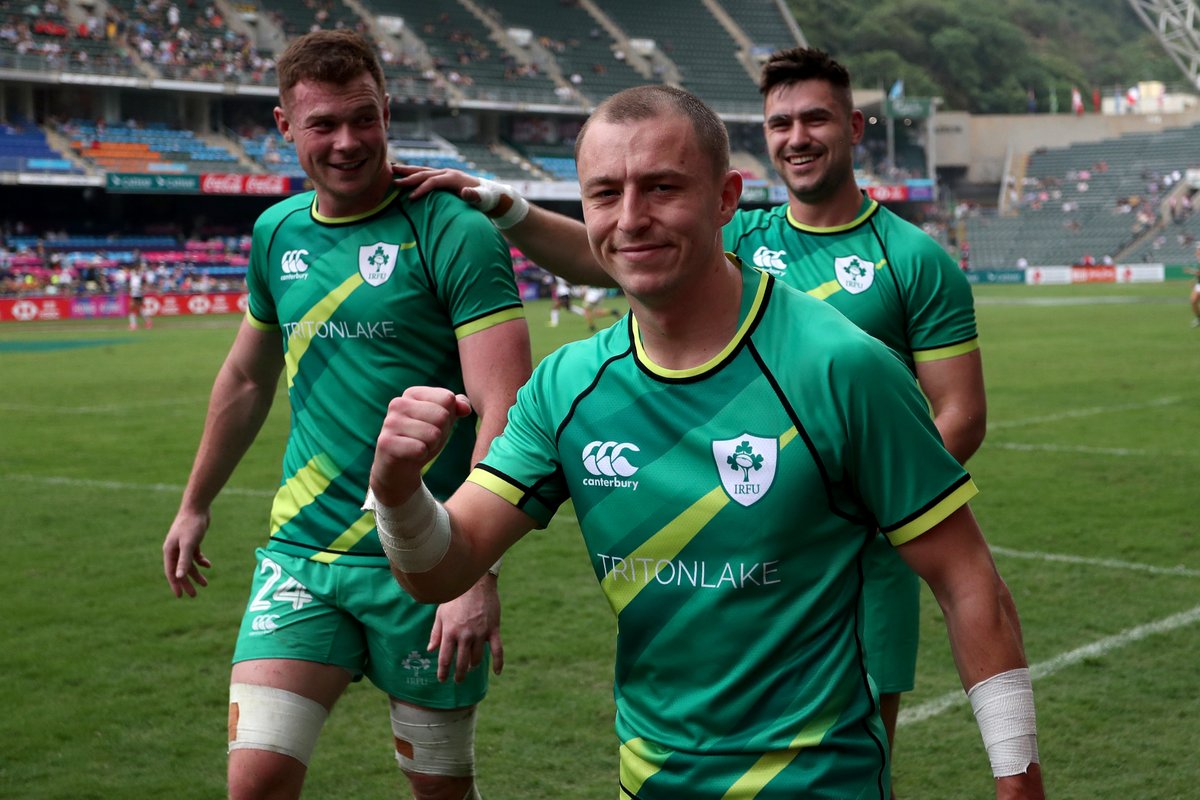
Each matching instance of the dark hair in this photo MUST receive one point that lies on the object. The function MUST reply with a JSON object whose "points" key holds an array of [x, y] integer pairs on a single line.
{"points": [[337, 57], [654, 100], [785, 67]]}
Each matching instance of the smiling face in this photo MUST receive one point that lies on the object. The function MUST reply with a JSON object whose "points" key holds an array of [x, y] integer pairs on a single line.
{"points": [[653, 205], [340, 133], [811, 133]]}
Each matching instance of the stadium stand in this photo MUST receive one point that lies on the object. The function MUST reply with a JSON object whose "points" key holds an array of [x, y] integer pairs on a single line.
{"points": [[23, 148], [763, 23], [187, 41], [594, 63], [39, 37], [475, 57], [1095, 200], [704, 52], [155, 148]]}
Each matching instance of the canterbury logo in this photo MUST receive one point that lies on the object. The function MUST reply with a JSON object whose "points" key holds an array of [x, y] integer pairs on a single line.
{"points": [[607, 458], [770, 260], [293, 262]]}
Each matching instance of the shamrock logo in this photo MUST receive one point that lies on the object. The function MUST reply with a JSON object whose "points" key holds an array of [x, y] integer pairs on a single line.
{"points": [[378, 259], [744, 458]]}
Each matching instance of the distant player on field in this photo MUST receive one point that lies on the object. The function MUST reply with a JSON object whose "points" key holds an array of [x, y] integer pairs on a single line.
{"points": [[835, 243], [730, 452], [355, 294]]}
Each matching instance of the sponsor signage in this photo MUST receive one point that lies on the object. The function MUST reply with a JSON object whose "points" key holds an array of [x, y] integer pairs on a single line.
{"points": [[34, 309], [207, 183], [144, 183], [888, 194], [232, 183], [996, 276]]}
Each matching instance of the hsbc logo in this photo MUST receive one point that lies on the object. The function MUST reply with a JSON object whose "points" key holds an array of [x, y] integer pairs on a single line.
{"points": [[24, 310], [293, 265]]}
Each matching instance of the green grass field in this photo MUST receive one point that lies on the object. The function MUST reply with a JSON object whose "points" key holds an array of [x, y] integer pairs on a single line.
{"points": [[112, 688]]}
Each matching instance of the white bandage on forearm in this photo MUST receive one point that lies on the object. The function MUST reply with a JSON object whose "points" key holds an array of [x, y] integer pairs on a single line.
{"points": [[415, 535], [1003, 706], [501, 203]]}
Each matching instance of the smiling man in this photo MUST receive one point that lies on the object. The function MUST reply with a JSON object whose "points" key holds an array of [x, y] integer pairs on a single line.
{"points": [[356, 293], [730, 451], [835, 243]]}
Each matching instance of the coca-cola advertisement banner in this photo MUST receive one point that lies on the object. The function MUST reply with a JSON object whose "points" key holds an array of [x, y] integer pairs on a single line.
{"points": [[232, 183]]}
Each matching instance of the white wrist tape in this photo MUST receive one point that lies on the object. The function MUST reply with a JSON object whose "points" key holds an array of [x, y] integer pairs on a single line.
{"points": [[501, 203], [415, 535], [1003, 706]]}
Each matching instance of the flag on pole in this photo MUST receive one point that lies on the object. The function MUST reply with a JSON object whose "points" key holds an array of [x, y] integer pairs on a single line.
{"points": [[1076, 101], [897, 90]]}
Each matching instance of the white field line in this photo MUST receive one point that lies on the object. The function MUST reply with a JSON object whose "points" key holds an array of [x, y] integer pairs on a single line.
{"points": [[124, 486], [1086, 449], [1178, 570], [938, 705], [106, 409], [1075, 413]]}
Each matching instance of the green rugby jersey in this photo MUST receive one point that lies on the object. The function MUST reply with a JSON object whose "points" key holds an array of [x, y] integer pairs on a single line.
{"points": [[725, 509], [367, 306], [888, 276]]}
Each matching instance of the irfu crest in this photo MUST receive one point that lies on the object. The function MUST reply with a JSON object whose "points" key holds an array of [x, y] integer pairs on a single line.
{"points": [[854, 273], [376, 262], [746, 465]]}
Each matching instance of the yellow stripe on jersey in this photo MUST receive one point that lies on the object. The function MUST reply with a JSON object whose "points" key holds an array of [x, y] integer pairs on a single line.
{"points": [[297, 344], [350, 537], [258, 324], [496, 485], [771, 763], [668, 542], [665, 545], [854, 223], [941, 353], [692, 372], [830, 288], [639, 760], [319, 217], [949, 504], [301, 489], [491, 320]]}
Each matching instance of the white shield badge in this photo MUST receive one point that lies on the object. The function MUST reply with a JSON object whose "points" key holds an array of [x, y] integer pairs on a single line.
{"points": [[854, 273], [376, 262], [746, 465]]}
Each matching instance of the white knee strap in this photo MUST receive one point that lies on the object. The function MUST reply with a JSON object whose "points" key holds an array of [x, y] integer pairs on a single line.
{"points": [[266, 718], [434, 742]]}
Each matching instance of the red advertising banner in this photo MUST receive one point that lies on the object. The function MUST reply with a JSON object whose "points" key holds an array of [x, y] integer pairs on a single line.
{"points": [[231, 183], [31, 309], [888, 194], [1093, 274]]}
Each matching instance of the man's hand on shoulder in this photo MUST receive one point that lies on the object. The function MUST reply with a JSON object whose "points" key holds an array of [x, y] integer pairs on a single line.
{"points": [[499, 201]]}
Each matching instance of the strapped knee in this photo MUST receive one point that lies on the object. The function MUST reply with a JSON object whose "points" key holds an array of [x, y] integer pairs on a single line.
{"points": [[434, 742], [266, 718]]}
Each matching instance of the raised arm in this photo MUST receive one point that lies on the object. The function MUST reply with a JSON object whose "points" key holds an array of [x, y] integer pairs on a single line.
{"points": [[240, 400], [985, 641], [553, 241], [495, 363], [954, 387], [437, 552]]}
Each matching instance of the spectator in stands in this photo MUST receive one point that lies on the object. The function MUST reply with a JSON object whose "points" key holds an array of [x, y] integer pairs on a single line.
{"points": [[811, 128], [352, 254]]}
